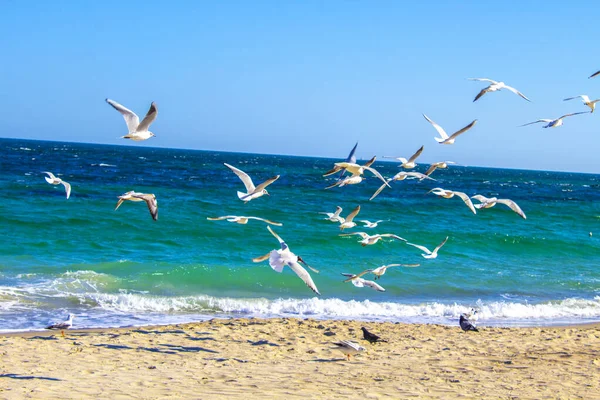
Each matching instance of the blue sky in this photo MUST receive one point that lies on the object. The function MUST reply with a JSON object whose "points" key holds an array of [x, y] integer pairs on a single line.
{"points": [[307, 77]]}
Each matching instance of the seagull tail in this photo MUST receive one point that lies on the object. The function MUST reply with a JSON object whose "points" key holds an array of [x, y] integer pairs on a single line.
{"points": [[241, 195], [439, 140]]}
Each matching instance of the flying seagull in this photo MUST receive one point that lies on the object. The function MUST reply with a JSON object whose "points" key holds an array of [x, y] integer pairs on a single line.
{"points": [[360, 282], [62, 325], [356, 170], [400, 176], [334, 216], [252, 192], [242, 220], [427, 253], [436, 165], [149, 198], [445, 139], [410, 163], [369, 224], [586, 100], [466, 325], [491, 202], [350, 159], [348, 221], [53, 180], [349, 348], [372, 239], [448, 194], [380, 271], [282, 257], [494, 86], [554, 123], [137, 130], [371, 337]]}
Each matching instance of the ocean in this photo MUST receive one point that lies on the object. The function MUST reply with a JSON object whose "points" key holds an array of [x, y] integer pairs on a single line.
{"points": [[120, 268]]}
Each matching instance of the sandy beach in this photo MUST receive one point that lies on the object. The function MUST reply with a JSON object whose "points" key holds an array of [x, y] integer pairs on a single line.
{"points": [[277, 358]]}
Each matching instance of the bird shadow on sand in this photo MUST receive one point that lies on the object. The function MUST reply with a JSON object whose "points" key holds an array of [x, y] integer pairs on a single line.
{"points": [[52, 337], [166, 348], [155, 332], [262, 343], [27, 377], [114, 346]]}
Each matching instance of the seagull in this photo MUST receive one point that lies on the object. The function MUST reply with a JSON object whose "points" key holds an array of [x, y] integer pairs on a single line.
{"points": [[445, 139], [62, 325], [372, 239], [371, 337], [360, 282], [410, 163], [400, 176], [491, 202], [466, 325], [356, 170], [380, 271], [436, 165], [472, 315], [53, 180], [252, 192], [349, 348], [586, 101], [495, 86], [429, 254], [149, 198], [369, 224], [554, 123], [334, 216], [242, 220], [138, 131], [594, 75], [348, 221], [448, 194], [282, 257], [350, 159]]}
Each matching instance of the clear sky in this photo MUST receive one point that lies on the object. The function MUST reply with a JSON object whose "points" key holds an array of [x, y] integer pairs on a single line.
{"points": [[308, 77]]}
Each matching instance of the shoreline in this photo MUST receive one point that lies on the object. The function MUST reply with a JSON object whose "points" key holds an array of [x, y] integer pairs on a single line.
{"points": [[288, 357]]}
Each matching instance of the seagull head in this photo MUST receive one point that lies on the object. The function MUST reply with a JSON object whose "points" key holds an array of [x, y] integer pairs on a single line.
{"points": [[151, 134], [264, 191], [71, 316]]}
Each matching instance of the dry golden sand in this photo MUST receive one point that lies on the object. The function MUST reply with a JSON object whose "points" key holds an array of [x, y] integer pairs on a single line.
{"points": [[291, 358]]}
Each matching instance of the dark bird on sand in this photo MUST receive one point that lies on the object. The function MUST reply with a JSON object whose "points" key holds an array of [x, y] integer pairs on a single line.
{"points": [[466, 325], [371, 337]]}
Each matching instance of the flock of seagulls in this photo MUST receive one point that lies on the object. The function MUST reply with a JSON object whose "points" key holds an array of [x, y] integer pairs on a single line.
{"points": [[279, 258]]}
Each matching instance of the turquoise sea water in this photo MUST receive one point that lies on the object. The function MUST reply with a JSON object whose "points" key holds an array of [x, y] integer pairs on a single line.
{"points": [[114, 268]]}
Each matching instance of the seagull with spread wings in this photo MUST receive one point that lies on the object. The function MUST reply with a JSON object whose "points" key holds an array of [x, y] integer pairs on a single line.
{"points": [[400, 176], [554, 123], [428, 253], [436, 165], [53, 180], [334, 216], [486, 202], [252, 192], [242, 220], [368, 240], [448, 194], [149, 198], [360, 282], [380, 271], [356, 170], [444, 138], [137, 130], [586, 101], [348, 222], [410, 163], [494, 86]]}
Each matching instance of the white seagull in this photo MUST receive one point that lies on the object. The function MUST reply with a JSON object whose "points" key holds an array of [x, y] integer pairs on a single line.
{"points": [[445, 139], [349, 348], [586, 100], [410, 163], [149, 198], [400, 176], [368, 240], [348, 221], [427, 252], [369, 224], [448, 194], [137, 130], [360, 282], [380, 271], [436, 165], [334, 216], [62, 325], [491, 202], [356, 170], [494, 86], [252, 192], [53, 180], [554, 123], [242, 220], [282, 257]]}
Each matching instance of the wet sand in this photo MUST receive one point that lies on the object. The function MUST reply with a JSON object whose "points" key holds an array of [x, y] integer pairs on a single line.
{"points": [[294, 358]]}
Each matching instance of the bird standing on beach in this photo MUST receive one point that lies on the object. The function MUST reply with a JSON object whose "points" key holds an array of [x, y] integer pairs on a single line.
{"points": [[486, 202], [138, 131], [444, 138], [586, 100], [349, 348], [149, 198], [242, 220], [282, 257], [554, 123], [466, 325], [62, 325], [494, 86], [371, 337], [410, 163], [427, 253], [53, 180], [252, 192]]}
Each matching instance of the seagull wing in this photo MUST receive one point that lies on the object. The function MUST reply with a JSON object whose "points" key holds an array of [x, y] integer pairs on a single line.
{"points": [[51, 176], [467, 201], [266, 183], [221, 218], [440, 245], [371, 161], [403, 265], [431, 168], [513, 206], [535, 122], [481, 93], [583, 97], [438, 128], [422, 248], [480, 198], [393, 236], [244, 177], [149, 118], [268, 221], [463, 130], [152, 204], [119, 203], [261, 258], [374, 285], [304, 275], [379, 190], [515, 91], [482, 80], [353, 214], [363, 235], [337, 212], [417, 154], [594, 74], [333, 171], [569, 115], [377, 174], [351, 157], [67, 186], [131, 118], [352, 276], [281, 242]]}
